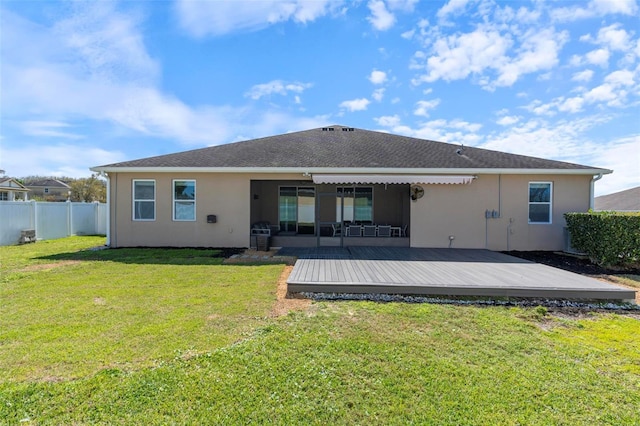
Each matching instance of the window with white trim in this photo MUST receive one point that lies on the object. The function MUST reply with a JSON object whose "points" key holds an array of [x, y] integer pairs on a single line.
{"points": [[540, 196], [4, 196], [184, 200], [144, 199]]}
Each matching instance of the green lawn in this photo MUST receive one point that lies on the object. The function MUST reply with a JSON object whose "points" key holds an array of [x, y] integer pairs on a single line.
{"points": [[144, 336]]}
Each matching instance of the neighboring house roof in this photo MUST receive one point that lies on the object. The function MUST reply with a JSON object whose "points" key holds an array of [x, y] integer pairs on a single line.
{"points": [[48, 183], [627, 200], [10, 184], [337, 147]]}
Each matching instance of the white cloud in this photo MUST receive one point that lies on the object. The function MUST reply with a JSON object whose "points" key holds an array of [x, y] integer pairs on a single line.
{"points": [[380, 18], [93, 69], [277, 87], [508, 120], [402, 5], [594, 8], [583, 76], [456, 57], [53, 159], [378, 77], [423, 107], [538, 138], [107, 42], [614, 38], [49, 129], [598, 57], [494, 55], [453, 7], [356, 104], [572, 105], [539, 51], [620, 155], [388, 120], [378, 94], [621, 78], [624, 7], [202, 18], [454, 131]]}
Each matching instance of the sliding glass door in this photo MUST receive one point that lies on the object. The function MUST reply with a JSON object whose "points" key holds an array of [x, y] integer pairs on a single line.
{"points": [[358, 204], [297, 209]]}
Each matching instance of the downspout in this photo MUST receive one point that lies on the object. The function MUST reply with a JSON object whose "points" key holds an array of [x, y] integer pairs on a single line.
{"points": [[592, 190], [108, 214]]}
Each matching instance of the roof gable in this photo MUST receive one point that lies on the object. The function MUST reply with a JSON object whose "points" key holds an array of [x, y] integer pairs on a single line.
{"points": [[8, 183], [339, 147]]}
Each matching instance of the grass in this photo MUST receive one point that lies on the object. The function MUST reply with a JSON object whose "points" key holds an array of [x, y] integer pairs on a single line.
{"points": [[630, 280], [339, 362], [70, 313]]}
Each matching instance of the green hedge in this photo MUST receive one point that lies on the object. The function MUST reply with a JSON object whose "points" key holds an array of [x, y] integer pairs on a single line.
{"points": [[608, 238]]}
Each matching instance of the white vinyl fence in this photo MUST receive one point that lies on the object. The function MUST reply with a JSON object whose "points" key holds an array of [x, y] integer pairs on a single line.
{"points": [[50, 220]]}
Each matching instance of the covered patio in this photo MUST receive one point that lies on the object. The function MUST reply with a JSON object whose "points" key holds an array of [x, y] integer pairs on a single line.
{"points": [[450, 272], [339, 209]]}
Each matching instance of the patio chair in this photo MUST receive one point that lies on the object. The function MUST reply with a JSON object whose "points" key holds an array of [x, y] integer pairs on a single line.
{"points": [[369, 231], [384, 230], [337, 229], [403, 231], [354, 230]]}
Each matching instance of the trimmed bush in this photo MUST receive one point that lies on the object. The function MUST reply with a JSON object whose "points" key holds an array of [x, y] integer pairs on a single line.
{"points": [[608, 238]]}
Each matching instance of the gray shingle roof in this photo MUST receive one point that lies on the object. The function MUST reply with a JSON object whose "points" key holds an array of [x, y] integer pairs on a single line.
{"points": [[51, 183], [344, 147], [627, 200]]}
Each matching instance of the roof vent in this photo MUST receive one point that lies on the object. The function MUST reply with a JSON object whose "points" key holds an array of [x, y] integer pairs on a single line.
{"points": [[328, 129], [347, 129]]}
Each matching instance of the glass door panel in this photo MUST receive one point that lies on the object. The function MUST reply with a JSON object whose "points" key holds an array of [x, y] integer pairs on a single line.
{"points": [[306, 210], [288, 204]]}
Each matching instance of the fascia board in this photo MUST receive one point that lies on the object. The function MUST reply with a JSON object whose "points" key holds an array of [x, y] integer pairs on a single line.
{"points": [[311, 170]]}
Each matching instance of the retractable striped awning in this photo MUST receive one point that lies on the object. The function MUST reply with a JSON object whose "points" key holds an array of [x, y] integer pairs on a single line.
{"points": [[392, 179]]}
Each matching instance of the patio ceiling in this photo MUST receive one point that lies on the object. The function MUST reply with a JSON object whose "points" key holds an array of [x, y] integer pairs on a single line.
{"points": [[392, 179]]}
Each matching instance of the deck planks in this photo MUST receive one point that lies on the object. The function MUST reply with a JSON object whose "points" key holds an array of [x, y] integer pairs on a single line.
{"points": [[455, 272]]}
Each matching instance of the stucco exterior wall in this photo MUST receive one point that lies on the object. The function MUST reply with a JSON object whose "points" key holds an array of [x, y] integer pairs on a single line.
{"points": [[459, 211], [228, 196], [445, 210]]}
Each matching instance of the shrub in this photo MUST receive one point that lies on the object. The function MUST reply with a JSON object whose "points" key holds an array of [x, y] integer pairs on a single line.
{"points": [[608, 238]]}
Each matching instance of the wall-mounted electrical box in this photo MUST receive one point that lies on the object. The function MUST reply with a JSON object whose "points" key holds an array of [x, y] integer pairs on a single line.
{"points": [[212, 218]]}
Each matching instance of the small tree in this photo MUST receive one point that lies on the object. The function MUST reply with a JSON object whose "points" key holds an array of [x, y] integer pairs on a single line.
{"points": [[89, 189]]}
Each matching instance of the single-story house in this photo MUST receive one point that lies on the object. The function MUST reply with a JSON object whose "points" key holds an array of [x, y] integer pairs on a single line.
{"points": [[622, 201], [49, 190], [12, 190], [340, 185]]}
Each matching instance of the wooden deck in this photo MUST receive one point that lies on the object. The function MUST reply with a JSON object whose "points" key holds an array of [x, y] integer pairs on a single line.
{"points": [[451, 272]]}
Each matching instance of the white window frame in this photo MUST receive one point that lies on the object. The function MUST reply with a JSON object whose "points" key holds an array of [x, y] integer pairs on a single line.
{"points": [[549, 203], [4, 195], [175, 200], [134, 200]]}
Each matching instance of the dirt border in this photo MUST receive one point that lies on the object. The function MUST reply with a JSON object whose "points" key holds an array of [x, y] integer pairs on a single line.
{"points": [[285, 303]]}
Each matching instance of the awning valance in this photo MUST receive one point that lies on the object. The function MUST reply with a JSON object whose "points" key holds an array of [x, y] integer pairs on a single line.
{"points": [[392, 179]]}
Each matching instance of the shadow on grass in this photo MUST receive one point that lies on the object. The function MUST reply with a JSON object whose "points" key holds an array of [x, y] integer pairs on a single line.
{"points": [[151, 256]]}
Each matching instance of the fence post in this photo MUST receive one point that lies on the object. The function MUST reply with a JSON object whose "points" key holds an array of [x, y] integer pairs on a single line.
{"points": [[69, 219], [34, 216]]}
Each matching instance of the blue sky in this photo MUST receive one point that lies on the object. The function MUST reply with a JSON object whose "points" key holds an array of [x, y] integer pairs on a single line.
{"points": [[91, 83]]}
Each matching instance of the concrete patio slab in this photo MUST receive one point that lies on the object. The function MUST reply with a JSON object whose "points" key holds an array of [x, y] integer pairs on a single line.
{"points": [[450, 272]]}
